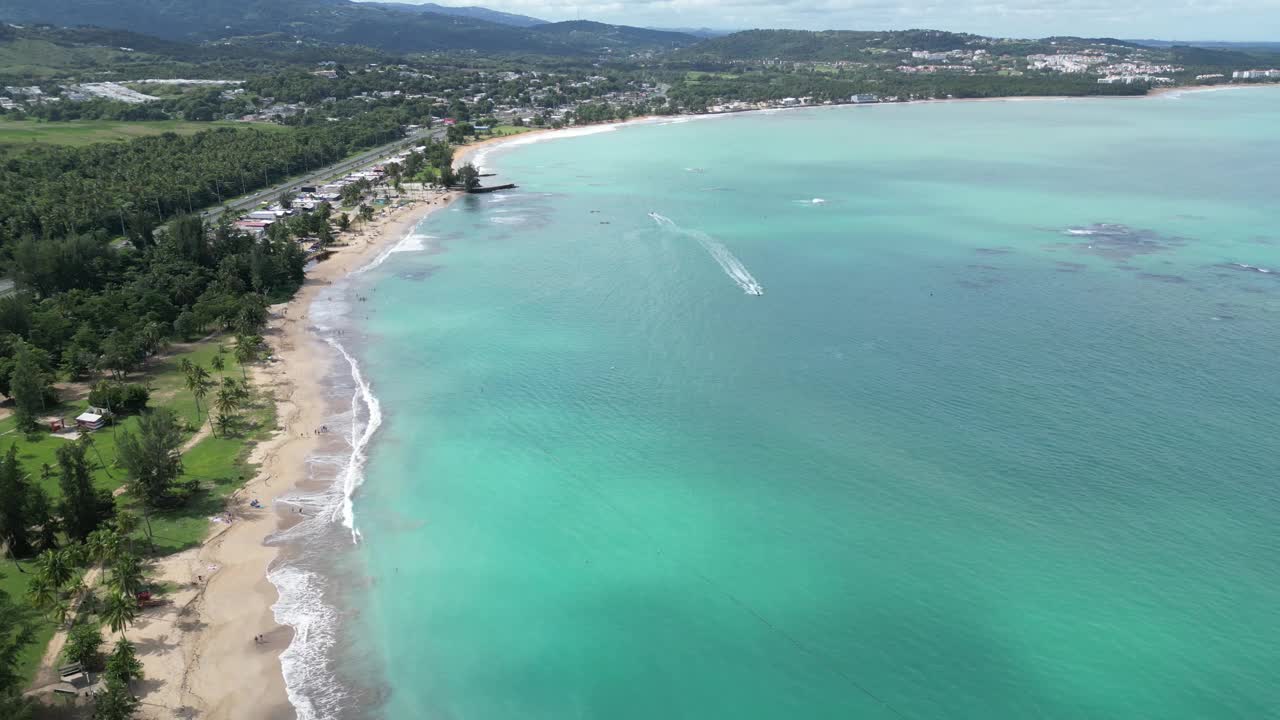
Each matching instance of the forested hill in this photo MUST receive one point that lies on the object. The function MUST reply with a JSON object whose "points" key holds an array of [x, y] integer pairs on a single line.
{"points": [[380, 26], [578, 32], [470, 11]]}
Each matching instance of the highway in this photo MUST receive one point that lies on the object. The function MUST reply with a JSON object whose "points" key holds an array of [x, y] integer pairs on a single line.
{"points": [[319, 177]]}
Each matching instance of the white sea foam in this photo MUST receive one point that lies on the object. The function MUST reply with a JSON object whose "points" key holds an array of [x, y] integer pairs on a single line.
{"points": [[301, 606], [411, 242], [731, 265], [507, 219], [313, 689], [352, 476]]}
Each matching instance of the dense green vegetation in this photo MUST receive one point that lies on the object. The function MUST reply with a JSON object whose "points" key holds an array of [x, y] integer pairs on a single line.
{"points": [[35, 54], [127, 188], [765, 84]]}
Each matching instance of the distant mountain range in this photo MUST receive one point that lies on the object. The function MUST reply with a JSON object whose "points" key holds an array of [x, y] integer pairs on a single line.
{"points": [[344, 26], [393, 27], [474, 12], [1212, 44]]}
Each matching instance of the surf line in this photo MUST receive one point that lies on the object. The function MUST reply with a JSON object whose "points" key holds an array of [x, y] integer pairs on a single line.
{"points": [[730, 264]]}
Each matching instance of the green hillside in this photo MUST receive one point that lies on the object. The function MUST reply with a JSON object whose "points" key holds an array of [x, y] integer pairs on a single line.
{"points": [[340, 21]]}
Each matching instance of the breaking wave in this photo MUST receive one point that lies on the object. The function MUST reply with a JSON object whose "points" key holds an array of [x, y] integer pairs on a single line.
{"points": [[303, 577], [352, 476], [301, 606], [731, 265]]}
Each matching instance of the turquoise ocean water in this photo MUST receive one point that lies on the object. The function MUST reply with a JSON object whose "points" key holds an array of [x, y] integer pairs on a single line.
{"points": [[998, 439]]}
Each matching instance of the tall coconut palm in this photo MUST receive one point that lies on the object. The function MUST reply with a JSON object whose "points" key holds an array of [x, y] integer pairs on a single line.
{"points": [[247, 347], [226, 402], [126, 574], [43, 594], [55, 567], [199, 384], [120, 611]]}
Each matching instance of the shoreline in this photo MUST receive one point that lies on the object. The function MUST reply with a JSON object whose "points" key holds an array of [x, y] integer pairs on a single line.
{"points": [[468, 152], [213, 666], [207, 661]]}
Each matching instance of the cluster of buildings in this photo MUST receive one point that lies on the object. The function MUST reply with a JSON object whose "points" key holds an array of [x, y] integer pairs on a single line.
{"points": [[256, 222], [1256, 75], [34, 95], [1132, 79], [791, 102], [932, 69], [964, 62], [1066, 62]]}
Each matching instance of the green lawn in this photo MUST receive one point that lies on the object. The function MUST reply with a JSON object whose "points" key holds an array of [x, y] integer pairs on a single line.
{"points": [[26, 133], [166, 382], [504, 130], [219, 463], [15, 584], [41, 448]]}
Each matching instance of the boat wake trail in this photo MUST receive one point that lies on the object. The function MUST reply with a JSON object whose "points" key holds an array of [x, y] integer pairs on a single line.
{"points": [[731, 265]]}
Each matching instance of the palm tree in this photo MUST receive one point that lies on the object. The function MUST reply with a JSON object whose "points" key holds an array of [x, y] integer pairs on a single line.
{"points": [[224, 423], [126, 574], [42, 594], [120, 611], [247, 351], [105, 546], [55, 567], [227, 403], [199, 386], [123, 665], [218, 363], [227, 400]]}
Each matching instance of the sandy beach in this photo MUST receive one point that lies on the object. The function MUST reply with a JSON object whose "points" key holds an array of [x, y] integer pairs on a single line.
{"points": [[199, 651]]}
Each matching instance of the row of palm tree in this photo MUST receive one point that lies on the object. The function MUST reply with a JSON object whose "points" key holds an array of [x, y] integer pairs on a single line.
{"points": [[231, 394], [54, 583]]}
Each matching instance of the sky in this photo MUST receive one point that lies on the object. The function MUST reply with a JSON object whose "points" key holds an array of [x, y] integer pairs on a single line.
{"points": [[1251, 20]]}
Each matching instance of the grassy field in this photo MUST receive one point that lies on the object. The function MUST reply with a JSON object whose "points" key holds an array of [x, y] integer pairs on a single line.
{"points": [[219, 463], [504, 130], [165, 380], [15, 584], [26, 133]]}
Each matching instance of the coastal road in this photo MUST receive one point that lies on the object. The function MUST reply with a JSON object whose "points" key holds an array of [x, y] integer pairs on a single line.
{"points": [[368, 157]]}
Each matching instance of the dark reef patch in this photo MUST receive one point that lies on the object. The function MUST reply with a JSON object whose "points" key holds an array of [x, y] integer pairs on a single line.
{"points": [[1160, 277], [1121, 242], [419, 274]]}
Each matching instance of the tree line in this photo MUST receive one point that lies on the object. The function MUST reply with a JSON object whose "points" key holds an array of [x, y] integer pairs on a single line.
{"points": [[128, 188]]}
